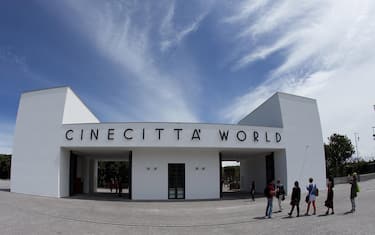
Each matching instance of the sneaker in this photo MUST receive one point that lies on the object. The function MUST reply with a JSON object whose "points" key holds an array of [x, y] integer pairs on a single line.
{"points": [[332, 213]]}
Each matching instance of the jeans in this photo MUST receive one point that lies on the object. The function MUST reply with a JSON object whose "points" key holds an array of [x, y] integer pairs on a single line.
{"points": [[353, 203], [279, 201], [269, 207]]}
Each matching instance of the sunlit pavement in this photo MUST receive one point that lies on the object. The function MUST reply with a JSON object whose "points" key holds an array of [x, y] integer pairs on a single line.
{"points": [[24, 214]]}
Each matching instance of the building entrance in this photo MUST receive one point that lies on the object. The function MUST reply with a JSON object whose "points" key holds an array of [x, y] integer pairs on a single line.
{"points": [[176, 181], [101, 173]]}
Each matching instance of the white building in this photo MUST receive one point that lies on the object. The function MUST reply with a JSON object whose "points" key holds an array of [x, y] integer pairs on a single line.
{"points": [[58, 141]]}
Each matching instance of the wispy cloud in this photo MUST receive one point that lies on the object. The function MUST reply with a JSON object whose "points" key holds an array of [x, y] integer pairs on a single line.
{"points": [[170, 35], [125, 33], [328, 54]]}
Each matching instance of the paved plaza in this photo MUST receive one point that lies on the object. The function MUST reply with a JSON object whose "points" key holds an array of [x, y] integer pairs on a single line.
{"points": [[24, 214]]}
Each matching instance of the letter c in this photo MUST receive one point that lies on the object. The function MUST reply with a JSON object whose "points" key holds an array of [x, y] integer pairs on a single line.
{"points": [[67, 136], [128, 137]]}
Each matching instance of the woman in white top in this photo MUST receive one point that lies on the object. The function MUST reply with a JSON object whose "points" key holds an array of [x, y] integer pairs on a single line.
{"points": [[312, 196]]}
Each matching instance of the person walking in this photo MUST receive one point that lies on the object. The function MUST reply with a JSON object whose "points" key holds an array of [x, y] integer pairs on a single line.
{"points": [[270, 193], [329, 202], [252, 190], [353, 190], [311, 197], [280, 194], [295, 199]]}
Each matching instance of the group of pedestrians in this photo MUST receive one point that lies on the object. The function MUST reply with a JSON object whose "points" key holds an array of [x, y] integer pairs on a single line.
{"points": [[115, 184], [278, 191]]}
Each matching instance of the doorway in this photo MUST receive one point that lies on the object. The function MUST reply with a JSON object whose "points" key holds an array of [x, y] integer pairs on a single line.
{"points": [[176, 181]]}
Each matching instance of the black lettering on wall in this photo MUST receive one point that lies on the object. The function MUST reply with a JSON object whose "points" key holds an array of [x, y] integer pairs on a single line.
{"points": [[196, 134], [67, 136], [178, 132], [241, 135], [125, 134], [278, 137], [143, 133], [267, 140], [81, 134], [159, 131], [256, 136], [111, 132], [224, 135], [94, 133]]}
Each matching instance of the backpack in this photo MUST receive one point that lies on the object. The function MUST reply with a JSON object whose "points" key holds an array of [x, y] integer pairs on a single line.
{"points": [[282, 190], [316, 191]]}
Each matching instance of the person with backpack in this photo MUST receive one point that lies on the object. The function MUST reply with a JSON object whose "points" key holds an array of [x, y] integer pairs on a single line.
{"points": [[269, 192], [311, 196], [295, 199], [329, 202], [280, 194], [354, 189]]}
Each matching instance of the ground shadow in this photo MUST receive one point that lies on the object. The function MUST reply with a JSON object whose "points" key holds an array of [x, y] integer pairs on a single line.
{"points": [[239, 195], [323, 215], [290, 217], [101, 197], [347, 213], [260, 217]]}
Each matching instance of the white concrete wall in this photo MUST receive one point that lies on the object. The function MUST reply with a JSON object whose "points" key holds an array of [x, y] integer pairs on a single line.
{"points": [[39, 165], [64, 171], [281, 172], [245, 175], [257, 167], [267, 114], [36, 148], [75, 111], [304, 140], [304, 147], [153, 184]]}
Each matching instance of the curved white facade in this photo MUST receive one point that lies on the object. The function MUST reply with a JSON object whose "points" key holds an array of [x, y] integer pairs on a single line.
{"points": [[54, 123]]}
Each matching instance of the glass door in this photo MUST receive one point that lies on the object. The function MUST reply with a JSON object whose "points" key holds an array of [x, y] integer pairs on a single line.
{"points": [[176, 181]]}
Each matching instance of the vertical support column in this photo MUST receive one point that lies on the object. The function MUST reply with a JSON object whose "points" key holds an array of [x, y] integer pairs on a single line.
{"points": [[221, 175], [130, 174], [95, 178]]}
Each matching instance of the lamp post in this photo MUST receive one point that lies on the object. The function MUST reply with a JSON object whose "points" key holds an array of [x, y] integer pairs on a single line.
{"points": [[356, 136]]}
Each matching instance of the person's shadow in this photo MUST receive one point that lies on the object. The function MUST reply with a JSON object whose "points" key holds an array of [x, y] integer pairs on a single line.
{"points": [[348, 212]]}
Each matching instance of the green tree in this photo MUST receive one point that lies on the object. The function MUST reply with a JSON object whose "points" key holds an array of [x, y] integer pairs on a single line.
{"points": [[5, 161], [338, 150]]}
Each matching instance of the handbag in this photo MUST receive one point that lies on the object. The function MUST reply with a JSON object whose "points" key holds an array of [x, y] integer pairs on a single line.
{"points": [[307, 198]]}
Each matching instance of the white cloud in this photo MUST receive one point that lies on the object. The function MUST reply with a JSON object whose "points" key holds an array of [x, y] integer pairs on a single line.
{"points": [[329, 54], [172, 37], [124, 32]]}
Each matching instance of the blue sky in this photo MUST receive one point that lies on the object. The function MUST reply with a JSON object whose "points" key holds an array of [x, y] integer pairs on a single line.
{"points": [[192, 61]]}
